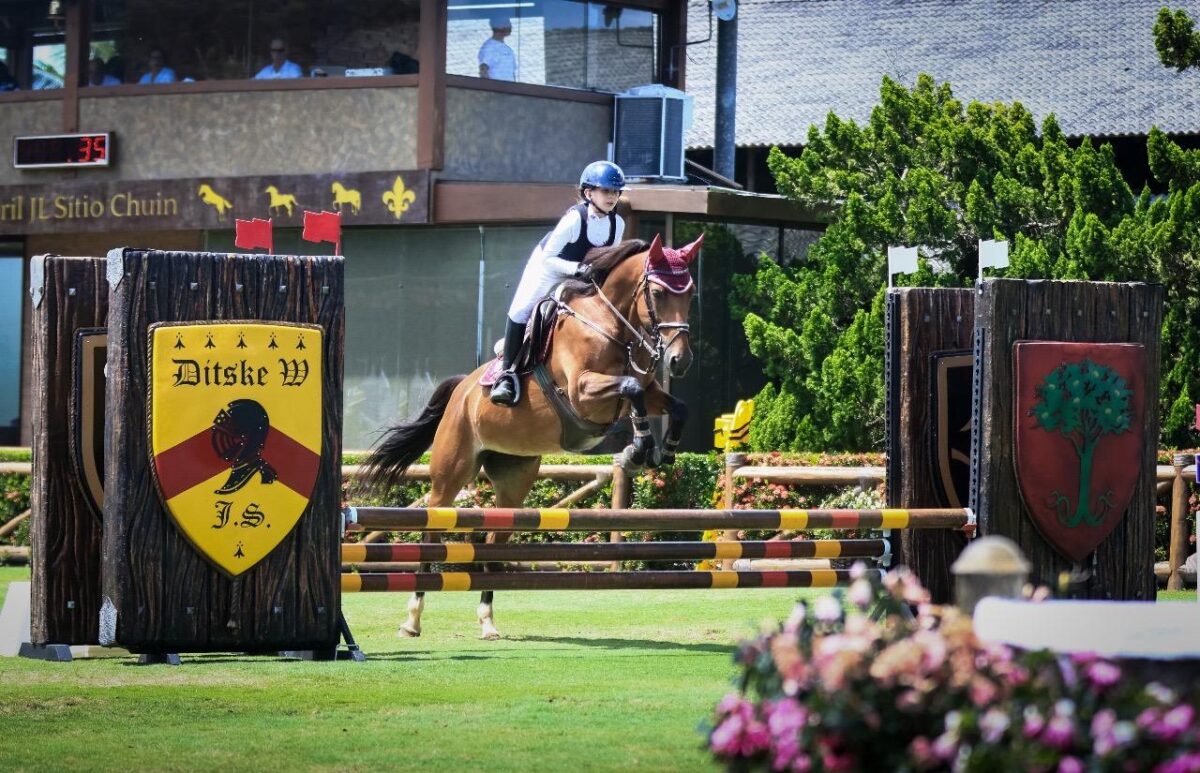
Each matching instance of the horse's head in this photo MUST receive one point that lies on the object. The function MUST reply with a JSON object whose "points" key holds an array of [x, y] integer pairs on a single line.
{"points": [[664, 299]]}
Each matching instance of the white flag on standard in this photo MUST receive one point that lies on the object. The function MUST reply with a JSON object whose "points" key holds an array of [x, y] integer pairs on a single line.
{"points": [[993, 254], [901, 260]]}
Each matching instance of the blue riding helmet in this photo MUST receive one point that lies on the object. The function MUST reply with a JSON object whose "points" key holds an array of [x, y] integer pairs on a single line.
{"points": [[602, 174]]}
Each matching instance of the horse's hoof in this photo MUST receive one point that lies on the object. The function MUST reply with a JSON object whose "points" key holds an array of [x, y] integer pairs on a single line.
{"points": [[404, 632], [492, 635]]}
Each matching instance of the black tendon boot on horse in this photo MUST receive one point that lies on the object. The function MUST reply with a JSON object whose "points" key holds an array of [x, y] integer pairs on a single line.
{"points": [[507, 389]]}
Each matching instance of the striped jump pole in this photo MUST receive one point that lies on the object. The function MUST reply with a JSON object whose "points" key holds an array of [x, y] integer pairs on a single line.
{"points": [[552, 519], [467, 553], [480, 581]]}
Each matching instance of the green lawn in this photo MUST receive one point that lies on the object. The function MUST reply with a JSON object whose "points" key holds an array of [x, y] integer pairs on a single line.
{"points": [[584, 681]]}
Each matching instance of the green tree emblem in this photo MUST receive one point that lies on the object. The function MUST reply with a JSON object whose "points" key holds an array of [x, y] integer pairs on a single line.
{"points": [[1083, 401]]}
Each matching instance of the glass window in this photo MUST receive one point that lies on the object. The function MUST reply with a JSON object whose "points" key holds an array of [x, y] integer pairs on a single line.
{"points": [[12, 265], [553, 42], [239, 39], [32, 51]]}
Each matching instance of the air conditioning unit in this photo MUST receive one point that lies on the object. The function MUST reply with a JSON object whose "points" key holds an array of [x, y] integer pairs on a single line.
{"points": [[648, 127]]}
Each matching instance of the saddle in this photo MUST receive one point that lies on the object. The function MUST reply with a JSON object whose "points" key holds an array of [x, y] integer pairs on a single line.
{"points": [[578, 433]]}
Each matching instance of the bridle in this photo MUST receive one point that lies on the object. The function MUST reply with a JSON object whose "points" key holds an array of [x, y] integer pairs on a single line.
{"points": [[650, 341]]}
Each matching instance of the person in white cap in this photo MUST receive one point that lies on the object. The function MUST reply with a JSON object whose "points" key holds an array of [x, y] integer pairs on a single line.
{"points": [[496, 60]]}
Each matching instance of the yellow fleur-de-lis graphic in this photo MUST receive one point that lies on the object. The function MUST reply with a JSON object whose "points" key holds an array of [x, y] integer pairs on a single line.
{"points": [[399, 198]]}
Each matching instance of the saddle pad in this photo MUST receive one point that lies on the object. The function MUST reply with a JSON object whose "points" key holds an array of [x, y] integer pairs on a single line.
{"points": [[488, 379]]}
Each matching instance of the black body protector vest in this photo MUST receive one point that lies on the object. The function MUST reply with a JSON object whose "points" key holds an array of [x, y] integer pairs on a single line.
{"points": [[576, 250]]}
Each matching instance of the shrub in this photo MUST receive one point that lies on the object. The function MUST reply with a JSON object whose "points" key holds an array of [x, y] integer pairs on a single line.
{"points": [[838, 691]]}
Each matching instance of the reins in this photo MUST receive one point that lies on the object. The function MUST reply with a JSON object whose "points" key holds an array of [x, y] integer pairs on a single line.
{"points": [[653, 344]]}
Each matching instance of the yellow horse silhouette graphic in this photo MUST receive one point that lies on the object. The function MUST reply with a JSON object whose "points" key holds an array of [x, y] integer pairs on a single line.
{"points": [[214, 200], [399, 198], [280, 200], [343, 195]]}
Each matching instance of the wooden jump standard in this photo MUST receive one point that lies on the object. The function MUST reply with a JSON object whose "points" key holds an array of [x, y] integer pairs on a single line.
{"points": [[480, 581], [468, 553], [498, 519]]}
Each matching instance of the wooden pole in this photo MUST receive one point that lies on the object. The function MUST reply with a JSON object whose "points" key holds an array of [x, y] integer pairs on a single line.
{"points": [[622, 499], [477, 581], [579, 552], [12, 525], [503, 519], [1179, 529]]}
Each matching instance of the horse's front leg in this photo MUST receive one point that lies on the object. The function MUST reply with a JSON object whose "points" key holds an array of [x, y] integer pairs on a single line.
{"points": [[641, 453], [660, 402]]}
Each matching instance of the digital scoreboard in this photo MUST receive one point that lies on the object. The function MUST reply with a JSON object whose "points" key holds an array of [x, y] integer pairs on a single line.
{"points": [[62, 151]]}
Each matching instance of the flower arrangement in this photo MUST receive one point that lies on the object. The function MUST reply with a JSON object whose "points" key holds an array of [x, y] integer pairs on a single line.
{"points": [[837, 690]]}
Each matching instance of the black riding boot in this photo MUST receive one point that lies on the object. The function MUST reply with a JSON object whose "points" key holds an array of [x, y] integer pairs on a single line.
{"points": [[507, 389]]}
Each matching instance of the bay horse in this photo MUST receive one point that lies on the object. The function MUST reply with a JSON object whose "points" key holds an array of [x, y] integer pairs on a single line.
{"points": [[608, 336]]}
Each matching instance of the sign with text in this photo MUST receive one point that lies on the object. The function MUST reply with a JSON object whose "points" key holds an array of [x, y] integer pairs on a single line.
{"points": [[235, 415], [362, 198]]}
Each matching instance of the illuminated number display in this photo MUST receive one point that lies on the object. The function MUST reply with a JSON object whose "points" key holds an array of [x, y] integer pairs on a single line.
{"points": [[62, 151]]}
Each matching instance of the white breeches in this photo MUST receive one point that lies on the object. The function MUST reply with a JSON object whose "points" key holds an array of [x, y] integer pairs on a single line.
{"points": [[537, 280]]}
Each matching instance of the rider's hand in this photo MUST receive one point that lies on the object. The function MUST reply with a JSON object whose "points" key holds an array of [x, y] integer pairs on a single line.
{"points": [[584, 272]]}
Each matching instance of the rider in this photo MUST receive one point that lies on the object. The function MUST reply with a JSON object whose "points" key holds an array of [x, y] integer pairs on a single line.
{"points": [[591, 223]]}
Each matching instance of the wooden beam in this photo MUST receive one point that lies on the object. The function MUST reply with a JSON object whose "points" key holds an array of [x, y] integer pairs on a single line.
{"points": [[77, 39], [431, 94], [463, 202]]}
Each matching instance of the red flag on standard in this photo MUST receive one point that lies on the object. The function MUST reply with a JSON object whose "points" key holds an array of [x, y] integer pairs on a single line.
{"points": [[253, 234], [323, 227]]}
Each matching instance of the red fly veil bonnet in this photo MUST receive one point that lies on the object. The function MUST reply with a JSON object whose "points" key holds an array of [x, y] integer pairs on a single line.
{"points": [[668, 267]]}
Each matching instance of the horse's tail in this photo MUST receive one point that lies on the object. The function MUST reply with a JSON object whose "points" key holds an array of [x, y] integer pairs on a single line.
{"points": [[403, 444]]}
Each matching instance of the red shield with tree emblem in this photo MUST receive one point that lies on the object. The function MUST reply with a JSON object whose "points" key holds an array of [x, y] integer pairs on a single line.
{"points": [[1080, 410]]}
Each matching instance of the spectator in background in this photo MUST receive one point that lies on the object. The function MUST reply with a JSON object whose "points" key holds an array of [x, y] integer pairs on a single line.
{"points": [[158, 72], [280, 66], [496, 60], [402, 64], [7, 83], [98, 74]]}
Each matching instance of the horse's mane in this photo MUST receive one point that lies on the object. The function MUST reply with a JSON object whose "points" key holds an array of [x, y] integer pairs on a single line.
{"points": [[603, 260]]}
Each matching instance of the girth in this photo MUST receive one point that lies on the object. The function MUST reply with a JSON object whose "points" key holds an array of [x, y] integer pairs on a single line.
{"points": [[578, 433]]}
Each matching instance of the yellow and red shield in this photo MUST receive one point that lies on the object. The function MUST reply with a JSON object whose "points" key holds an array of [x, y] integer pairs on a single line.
{"points": [[235, 432]]}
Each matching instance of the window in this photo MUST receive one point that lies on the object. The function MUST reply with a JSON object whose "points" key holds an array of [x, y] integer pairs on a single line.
{"points": [[180, 40], [581, 45], [12, 264], [32, 44]]}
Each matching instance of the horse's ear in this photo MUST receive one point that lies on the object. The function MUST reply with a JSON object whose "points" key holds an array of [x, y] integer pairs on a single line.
{"points": [[689, 252], [656, 250]]}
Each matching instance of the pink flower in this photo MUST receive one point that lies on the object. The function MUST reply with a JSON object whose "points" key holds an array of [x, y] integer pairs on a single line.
{"points": [[827, 609], [1059, 733], [920, 751], [1174, 723], [1034, 722], [945, 748], [858, 570], [1070, 765], [1103, 674], [739, 736], [861, 593], [1186, 763], [993, 724]]}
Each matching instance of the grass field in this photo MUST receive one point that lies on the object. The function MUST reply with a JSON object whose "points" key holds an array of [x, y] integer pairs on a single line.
{"points": [[583, 681]]}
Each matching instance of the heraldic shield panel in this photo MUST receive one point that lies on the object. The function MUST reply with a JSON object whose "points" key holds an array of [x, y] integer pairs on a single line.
{"points": [[1080, 412], [235, 431]]}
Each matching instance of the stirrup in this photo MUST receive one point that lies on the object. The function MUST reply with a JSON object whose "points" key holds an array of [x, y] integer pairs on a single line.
{"points": [[510, 396]]}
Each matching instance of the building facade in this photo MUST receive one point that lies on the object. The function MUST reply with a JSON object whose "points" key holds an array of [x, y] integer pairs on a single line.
{"points": [[445, 179]]}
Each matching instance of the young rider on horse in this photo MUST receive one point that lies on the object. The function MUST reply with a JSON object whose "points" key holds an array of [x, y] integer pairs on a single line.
{"points": [[591, 223]]}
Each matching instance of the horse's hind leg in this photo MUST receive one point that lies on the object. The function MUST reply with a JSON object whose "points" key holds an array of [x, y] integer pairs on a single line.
{"points": [[512, 477], [449, 472]]}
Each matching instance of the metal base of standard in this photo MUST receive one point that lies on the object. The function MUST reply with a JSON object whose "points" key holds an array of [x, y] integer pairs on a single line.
{"points": [[55, 653], [154, 658]]}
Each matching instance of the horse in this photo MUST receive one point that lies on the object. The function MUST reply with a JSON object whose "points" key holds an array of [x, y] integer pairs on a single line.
{"points": [[343, 195], [607, 338], [280, 200]]}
